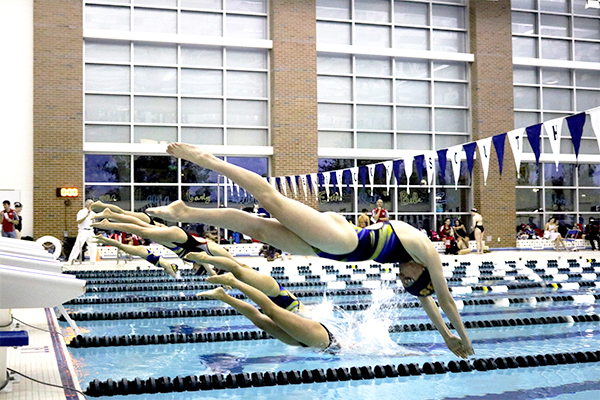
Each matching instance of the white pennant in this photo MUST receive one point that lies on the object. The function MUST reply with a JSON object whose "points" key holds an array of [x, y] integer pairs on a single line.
{"points": [[454, 156], [408, 170], [283, 185], [354, 174], [485, 146], [315, 184], [237, 189], [303, 179], [371, 169], [294, 186], [339, 175], [594, 114], [430, 164], [553, 129], [273, 183], [326, 181], [515, 138], [389, 171]]}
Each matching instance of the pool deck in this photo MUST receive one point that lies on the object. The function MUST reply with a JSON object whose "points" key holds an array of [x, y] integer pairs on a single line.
{"points": [[47, 359]]}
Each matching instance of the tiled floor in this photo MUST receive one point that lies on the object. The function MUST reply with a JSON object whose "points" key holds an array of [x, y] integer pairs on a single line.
{"points": [[38, 360]]}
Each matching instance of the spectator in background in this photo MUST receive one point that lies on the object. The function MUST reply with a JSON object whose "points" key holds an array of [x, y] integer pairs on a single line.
{"points": [[9, 220], [363, 219], [379, 214], [19, 226], [592, 231]]}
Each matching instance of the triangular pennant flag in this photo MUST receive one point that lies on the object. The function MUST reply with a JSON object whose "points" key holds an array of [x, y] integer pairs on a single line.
{"points": [[284, 186], [309, 181], [347, 176], [533, 135], [485, 147], [354, 173], [379, 170], [272, 179], [371, 169], [408, 170], [339, 174], [442, 164], [470, 152], [237, 190], [333, 180], [430, 167], [419, 165], [320, 180], [396, 167], [499, 141], [595, 120], [388, 165], [515, 138], [553, 130], [326, 181], [314, 181], [303, 179], [292, 183], [278, 180], [575, 124], [454, 153], [362, 172]]}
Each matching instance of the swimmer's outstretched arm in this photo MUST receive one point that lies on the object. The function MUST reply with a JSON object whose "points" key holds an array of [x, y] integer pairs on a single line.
{"points": [[424, 253]]}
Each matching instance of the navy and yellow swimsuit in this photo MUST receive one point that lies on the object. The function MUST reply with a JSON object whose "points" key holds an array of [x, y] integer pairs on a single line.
{"points": [[286, 300], [381, 245]]}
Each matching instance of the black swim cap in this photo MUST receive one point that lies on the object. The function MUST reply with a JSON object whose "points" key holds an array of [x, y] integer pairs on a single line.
{"points": [[422, 286]]}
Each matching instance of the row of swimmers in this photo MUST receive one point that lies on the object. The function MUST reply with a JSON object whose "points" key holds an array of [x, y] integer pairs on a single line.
{"points": [[295, 228]]}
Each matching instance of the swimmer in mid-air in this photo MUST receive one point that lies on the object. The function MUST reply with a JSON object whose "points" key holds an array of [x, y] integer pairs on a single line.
{"points": [[172, 237], [277, 321], [299, 229]]}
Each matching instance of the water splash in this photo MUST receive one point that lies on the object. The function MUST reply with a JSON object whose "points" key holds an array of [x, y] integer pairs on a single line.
{"points": [[364, 332]]}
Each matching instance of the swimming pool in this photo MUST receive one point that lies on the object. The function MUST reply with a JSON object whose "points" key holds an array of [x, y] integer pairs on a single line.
{"points": [[539, 306]]}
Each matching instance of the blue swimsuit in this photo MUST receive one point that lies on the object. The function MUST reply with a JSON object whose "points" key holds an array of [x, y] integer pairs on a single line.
{"points": [[381, 245]]}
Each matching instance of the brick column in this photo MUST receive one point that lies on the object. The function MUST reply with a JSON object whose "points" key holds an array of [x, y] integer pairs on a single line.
{"points": [[492, 108], [58, 113], [294, 88]]}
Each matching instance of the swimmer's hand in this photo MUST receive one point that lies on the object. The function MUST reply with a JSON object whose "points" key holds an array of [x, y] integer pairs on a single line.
{"points": [[173, 212], [459, 347]]}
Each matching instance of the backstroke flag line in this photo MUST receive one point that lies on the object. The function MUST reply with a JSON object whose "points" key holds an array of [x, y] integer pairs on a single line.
{"points": [[454, 155]]}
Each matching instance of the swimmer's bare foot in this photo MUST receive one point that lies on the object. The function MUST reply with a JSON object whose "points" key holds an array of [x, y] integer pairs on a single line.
{"points": [[105, 214], [225, 279], [214, 294], [173, 212], [104, 224], [197, 155]]}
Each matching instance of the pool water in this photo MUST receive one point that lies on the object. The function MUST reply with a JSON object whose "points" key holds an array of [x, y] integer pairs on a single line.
{"points": [[375, 347]]}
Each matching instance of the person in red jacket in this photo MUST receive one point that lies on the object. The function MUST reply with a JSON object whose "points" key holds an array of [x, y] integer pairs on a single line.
{"points": [[8, 218]]}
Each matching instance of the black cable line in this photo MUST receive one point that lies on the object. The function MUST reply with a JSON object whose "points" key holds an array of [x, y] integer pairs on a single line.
{"points": [[46, 383]]}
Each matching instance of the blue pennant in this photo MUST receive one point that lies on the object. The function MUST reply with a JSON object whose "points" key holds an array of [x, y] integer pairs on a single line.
{"points": [[470, 152], [575, 124], [533, 135], [499, 146], [442, 163]]}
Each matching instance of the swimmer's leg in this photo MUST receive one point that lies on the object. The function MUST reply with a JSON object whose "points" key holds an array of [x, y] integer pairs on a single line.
{"points": [[262, 282], [165, 235], [99, 206], [266, 230], [142, 252], [302, 329], [125, 218], [329, 232], [256, 317], [479, 240]]}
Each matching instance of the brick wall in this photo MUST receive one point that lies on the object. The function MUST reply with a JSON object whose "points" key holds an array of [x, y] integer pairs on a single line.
{"points": [[58, 107], [492, 108], [294, 88]]}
